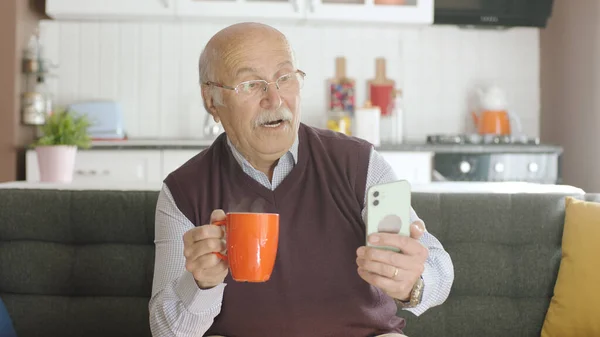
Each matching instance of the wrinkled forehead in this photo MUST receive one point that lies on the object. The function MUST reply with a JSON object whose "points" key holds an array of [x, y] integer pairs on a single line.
{"points": [[262, 56]]}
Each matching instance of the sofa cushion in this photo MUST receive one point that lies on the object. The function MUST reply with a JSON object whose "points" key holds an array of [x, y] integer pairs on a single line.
{"points": [[77, 263], [574, 309], [506, 251]]}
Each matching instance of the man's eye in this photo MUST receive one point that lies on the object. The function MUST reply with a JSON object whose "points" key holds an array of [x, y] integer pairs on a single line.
{"points": [[246, 87], [250, 86]]}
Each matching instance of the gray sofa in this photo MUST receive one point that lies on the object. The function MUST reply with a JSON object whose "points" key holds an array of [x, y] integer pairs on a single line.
{"points": [[80, 263]]}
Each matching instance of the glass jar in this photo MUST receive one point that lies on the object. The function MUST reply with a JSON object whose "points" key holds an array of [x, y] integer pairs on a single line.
{"points": [[340, 121]]}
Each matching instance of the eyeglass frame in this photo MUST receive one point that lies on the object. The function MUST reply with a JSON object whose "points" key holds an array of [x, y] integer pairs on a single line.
{"points": [[223, 86]]}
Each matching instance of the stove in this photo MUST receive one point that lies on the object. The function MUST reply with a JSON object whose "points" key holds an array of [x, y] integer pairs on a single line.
{"points": [[476, 139], [494, 158]]}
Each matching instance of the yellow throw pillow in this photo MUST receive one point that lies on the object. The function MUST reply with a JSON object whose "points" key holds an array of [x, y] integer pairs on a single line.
{"points": [[575, 306]]}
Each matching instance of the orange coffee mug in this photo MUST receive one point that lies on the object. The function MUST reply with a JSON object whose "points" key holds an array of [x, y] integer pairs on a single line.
{"points": [[252, 240]]}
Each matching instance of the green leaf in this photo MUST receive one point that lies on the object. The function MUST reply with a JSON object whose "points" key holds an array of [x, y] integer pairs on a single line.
{"points": [[65, 128]]}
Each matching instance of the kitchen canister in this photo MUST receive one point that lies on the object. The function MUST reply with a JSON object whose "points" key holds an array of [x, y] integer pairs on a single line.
{"points": [[367, 123]]}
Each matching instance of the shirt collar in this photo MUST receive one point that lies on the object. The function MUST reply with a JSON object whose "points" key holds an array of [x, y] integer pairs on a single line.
{"points": [[241, 160]]}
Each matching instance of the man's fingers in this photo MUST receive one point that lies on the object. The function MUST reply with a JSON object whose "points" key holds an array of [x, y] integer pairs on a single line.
{"points": [[208, 265], [384, 269], [417, 229], [388, 257], [407, 245], [384, 283], [202, 233], [203, 247], [210, 277], [216, 215]]}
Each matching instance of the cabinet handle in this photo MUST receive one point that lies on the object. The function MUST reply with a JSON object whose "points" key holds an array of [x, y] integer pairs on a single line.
{"points": [[92, 172], [165, 3]]}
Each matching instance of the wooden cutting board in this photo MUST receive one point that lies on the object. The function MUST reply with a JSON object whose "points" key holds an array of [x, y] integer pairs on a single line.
{"points": [[342, 89], [380, 88]]}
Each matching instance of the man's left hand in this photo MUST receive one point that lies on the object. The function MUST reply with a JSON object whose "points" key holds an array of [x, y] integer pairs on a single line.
{"points": [[394, 273]]}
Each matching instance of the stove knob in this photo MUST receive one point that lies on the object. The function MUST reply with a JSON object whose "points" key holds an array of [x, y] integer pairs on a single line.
{"points": [[465, 167], [533, 167], [499, 167]]}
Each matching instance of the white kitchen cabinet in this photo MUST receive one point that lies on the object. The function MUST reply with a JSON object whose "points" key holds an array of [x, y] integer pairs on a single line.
{"points": [[110, 9], [389, 11], [375, 11], [242, 9], [131, 166], [153, 166], [412, 166], [173, 159]]}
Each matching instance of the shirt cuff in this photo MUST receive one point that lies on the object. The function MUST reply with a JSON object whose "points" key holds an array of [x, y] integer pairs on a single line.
{"points": [[198, 300]]}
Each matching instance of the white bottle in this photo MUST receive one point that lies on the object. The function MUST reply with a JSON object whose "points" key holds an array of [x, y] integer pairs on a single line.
{"points": [[398, 116], [367, 123], [391, 124]]}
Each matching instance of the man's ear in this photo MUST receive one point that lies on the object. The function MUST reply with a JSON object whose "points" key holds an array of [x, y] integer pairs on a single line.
{"points": [[209, 103]]}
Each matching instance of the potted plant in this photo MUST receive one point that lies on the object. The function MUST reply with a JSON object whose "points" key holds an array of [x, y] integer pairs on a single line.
{"points": [[63, 133]]}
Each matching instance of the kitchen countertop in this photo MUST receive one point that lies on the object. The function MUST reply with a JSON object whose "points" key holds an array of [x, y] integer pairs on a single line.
{"points": [[434, 187], [195, 144]]}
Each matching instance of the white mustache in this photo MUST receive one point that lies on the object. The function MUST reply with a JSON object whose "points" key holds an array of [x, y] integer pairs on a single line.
{"points": [[282, 113]]}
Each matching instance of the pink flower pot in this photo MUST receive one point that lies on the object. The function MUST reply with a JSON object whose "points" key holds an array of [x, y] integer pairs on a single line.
{"points": [[56, 163]]}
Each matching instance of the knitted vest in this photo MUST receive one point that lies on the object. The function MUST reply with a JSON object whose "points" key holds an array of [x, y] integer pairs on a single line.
{"points": [[314, 289]]}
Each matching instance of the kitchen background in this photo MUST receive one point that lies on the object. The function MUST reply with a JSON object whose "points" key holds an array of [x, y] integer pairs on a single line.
{"points": [[150, 67], [152, 70]]}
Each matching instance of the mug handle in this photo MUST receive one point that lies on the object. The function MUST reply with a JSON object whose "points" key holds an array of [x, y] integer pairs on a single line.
{"points": [[220, 223]]}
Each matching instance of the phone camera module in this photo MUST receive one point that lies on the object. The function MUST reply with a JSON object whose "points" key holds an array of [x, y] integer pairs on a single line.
{"points": [[376, 194], [376, 202]]}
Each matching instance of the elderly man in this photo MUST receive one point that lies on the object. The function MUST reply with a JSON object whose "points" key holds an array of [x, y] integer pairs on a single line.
{"points": [[325, 281]]}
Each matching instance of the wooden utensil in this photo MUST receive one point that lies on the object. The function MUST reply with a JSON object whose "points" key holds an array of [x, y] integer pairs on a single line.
{"points": [[380, 88], [341, 88]]}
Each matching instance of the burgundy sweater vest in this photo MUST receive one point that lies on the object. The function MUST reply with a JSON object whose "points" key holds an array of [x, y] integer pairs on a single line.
{"points": [[314, 289]]}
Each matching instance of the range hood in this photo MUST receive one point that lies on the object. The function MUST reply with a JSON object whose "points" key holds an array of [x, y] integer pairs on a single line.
{"points": [[493, 13]]}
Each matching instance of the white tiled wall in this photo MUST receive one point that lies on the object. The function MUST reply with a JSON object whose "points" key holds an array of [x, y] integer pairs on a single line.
{"points": [[152, 69]]}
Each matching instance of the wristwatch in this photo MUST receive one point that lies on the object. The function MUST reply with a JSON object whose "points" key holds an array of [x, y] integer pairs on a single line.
{"points": [[416, 295]]}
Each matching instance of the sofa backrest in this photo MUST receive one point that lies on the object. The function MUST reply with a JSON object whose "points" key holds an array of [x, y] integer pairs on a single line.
{"points": [[77, 263], [80, 263], [506, 253]]}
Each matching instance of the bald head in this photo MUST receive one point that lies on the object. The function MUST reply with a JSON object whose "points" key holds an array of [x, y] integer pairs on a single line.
{"points": [[224, 52]]}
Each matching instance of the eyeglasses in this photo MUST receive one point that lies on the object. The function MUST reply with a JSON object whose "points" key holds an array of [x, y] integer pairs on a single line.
{"points": [[288, 83]]}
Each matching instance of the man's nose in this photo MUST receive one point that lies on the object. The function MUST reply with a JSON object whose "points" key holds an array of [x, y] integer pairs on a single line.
{"points": [[271, 98]]}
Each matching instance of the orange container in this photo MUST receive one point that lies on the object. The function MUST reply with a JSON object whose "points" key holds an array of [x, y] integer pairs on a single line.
{"points": [[492, 123], [252, 240]]}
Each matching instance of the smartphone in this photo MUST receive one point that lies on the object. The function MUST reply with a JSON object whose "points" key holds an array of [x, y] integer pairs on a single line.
{"points": [[388, 210]]}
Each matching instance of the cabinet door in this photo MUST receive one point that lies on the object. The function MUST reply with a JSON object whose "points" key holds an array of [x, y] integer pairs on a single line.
{"points": [[173, 159], [109, 9], [242, 9], [130, 166], [390, 11], [412, 166]]}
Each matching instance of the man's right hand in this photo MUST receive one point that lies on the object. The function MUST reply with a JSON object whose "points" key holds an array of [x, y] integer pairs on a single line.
{"points": [[200, 244]]}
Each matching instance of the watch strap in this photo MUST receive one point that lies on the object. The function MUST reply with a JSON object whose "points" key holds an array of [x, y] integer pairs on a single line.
{"points": [[416, 295]]}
